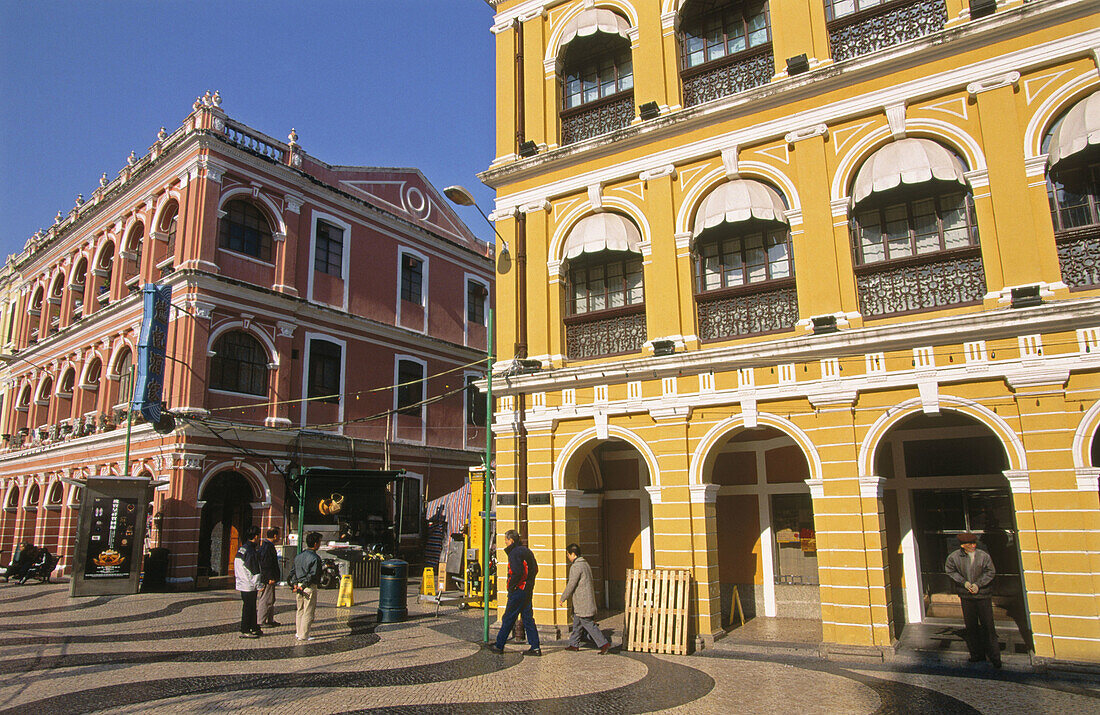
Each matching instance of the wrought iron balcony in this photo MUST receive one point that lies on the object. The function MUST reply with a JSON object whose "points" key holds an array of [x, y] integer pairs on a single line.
{"points": [[750, 310], [595, 118], [609, 332], [728, 75], [1079, 256], [923, 283], [885, 26]]}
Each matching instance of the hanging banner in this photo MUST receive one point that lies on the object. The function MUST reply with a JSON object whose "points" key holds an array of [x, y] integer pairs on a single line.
{"points": [[152, 348]]}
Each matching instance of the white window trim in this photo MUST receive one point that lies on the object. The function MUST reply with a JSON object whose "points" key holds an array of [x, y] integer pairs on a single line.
{"points": [[469, 278], [466, 407], [419, 508], [309, 338], [345, 262], [397, 358], [424, 284]]}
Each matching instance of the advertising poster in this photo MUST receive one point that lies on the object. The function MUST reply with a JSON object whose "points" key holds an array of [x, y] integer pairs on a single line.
{"points": [[111, 538]]}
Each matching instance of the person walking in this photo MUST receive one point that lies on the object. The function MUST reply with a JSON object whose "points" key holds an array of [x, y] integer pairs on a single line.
{"points": [[269, 576], [522, 568], [579, 590], [304, 580], [972, 571], [246, 568]]}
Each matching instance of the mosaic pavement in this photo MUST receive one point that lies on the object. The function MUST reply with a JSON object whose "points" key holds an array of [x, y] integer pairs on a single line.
{"points": [[181, 653]]}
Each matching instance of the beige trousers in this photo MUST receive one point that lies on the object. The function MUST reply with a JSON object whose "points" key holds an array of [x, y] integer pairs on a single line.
{"points": [[307, 604]]}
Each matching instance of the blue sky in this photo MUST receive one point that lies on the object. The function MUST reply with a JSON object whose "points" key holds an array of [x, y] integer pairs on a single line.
{"points": [[371, 82]]}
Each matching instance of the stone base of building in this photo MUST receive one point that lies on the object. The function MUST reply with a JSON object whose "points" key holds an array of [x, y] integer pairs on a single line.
{"points": [[845, 652]]}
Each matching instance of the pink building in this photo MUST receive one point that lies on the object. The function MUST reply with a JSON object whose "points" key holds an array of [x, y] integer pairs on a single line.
{"points": [[303, 293]]}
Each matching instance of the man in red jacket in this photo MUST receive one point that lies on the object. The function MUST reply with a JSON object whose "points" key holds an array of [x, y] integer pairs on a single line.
{"points": [[521, 586]]}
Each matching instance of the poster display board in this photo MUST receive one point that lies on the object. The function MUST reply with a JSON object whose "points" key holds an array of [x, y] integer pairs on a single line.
{"points": [[111, 543], [110, 535]]}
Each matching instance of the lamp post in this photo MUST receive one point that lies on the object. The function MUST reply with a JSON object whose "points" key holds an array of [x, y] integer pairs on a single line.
{"points": [[462, 197]]}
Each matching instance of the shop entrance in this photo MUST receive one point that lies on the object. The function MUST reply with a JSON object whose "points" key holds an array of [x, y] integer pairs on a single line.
{"points": [[226, 513], [614, 528], [944, 476], [767, 545]]}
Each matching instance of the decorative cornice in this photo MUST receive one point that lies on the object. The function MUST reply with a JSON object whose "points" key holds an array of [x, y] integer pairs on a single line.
{"points": [[817, 488], [817, 130], [870, 487], [703, 493], [1018, 481], [1008, 79]]}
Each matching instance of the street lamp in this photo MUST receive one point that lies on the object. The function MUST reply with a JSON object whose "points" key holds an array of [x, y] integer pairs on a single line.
{"points": [[462, 197]]}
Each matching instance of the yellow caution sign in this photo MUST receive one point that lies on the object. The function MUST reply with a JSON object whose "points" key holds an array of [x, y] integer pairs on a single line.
{"points": [[427, 582], [347, 592]]}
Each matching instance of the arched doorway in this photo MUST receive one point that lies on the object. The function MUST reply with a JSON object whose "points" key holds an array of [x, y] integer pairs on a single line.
{"points": [[944, 476], [766, 538], [613, 524], [226, 513]]}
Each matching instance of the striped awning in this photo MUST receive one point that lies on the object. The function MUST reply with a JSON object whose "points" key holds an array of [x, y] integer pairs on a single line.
{"points": [[1077, 131], [602, 232], [595, 20], [739, 200], [906, 161], [454, 508]]}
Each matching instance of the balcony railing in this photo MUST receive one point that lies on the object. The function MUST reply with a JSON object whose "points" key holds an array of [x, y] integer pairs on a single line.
{"points": [[922, 283], [1079, 256], [612, 332], [747, 311], [885, 26], [729, 75], [595, 118], [254, 141]]}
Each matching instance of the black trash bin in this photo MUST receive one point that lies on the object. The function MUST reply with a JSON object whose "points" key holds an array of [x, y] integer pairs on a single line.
{"points": [[393, 591], [155, 577]]}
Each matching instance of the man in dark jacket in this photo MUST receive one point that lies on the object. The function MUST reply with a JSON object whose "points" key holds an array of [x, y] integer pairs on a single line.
{"points": [[269, 576], [521, 586], [305, 577], [972, 571]]}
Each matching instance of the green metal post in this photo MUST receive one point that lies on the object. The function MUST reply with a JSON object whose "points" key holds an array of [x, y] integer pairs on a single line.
{"points": [[301, 508], [488, 479], [129, 424]]}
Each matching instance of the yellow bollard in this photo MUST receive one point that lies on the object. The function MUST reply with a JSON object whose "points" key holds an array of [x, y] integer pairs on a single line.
{"points": [[427, 583], [347, 592]]}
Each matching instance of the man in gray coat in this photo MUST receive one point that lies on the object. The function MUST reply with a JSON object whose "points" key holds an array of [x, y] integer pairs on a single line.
{"points": [[972, 571], [579, 589]]}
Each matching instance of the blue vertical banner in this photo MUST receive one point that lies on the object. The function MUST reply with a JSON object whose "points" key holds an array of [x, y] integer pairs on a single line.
{"points": [[152, 348]]}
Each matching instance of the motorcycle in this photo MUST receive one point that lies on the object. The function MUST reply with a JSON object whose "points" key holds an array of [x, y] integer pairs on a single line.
{"points": [[330, 574]]}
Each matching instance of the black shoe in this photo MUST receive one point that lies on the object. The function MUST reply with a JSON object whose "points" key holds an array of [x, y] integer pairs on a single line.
{"points": [[257, 633], [976, 658], [494, 649], [996, 663], [272, 623], [533, 651]]}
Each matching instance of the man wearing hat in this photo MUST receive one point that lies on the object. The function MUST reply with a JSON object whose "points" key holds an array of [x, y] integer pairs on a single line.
{"points": [[972, 571]]}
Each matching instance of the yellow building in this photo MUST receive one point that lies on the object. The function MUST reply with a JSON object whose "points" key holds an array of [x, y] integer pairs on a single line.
{"points": [[804, 289]]}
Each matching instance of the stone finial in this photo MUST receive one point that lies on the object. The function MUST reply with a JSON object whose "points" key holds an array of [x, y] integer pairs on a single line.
{"points": [[132, 159], [103, 179], [162, 134], [207, 100], [57, 218], [217, 98], [79, 199], [293, 137], [198, 104]]}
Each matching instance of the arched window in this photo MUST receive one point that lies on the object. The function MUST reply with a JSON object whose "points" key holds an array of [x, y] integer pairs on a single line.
{"points": [[36, 301], [91, 374], [44, 391], [725, 48], [103, 271], [239, 364], [1073, 187], [168, 226], [744, 271], [34, 495], [134, 244], [604, 288], [24, 401], [597, 76], [125, 377], [914, 235], [244, 229], [13, 498], [68, 380], [56, 494]]}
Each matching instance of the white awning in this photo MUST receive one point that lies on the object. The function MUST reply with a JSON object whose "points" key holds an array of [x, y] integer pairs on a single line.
{"points": [[602, 232], [1079, 129], [906, 161], [595, 20], [739, 200]]}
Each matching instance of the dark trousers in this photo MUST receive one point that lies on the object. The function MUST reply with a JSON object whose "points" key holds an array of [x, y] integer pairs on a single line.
{"points": [[248, 612], [519, 604], [981, 636]]}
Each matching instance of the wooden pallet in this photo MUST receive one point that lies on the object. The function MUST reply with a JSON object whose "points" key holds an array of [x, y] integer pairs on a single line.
{"points": [[657, 610]]}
